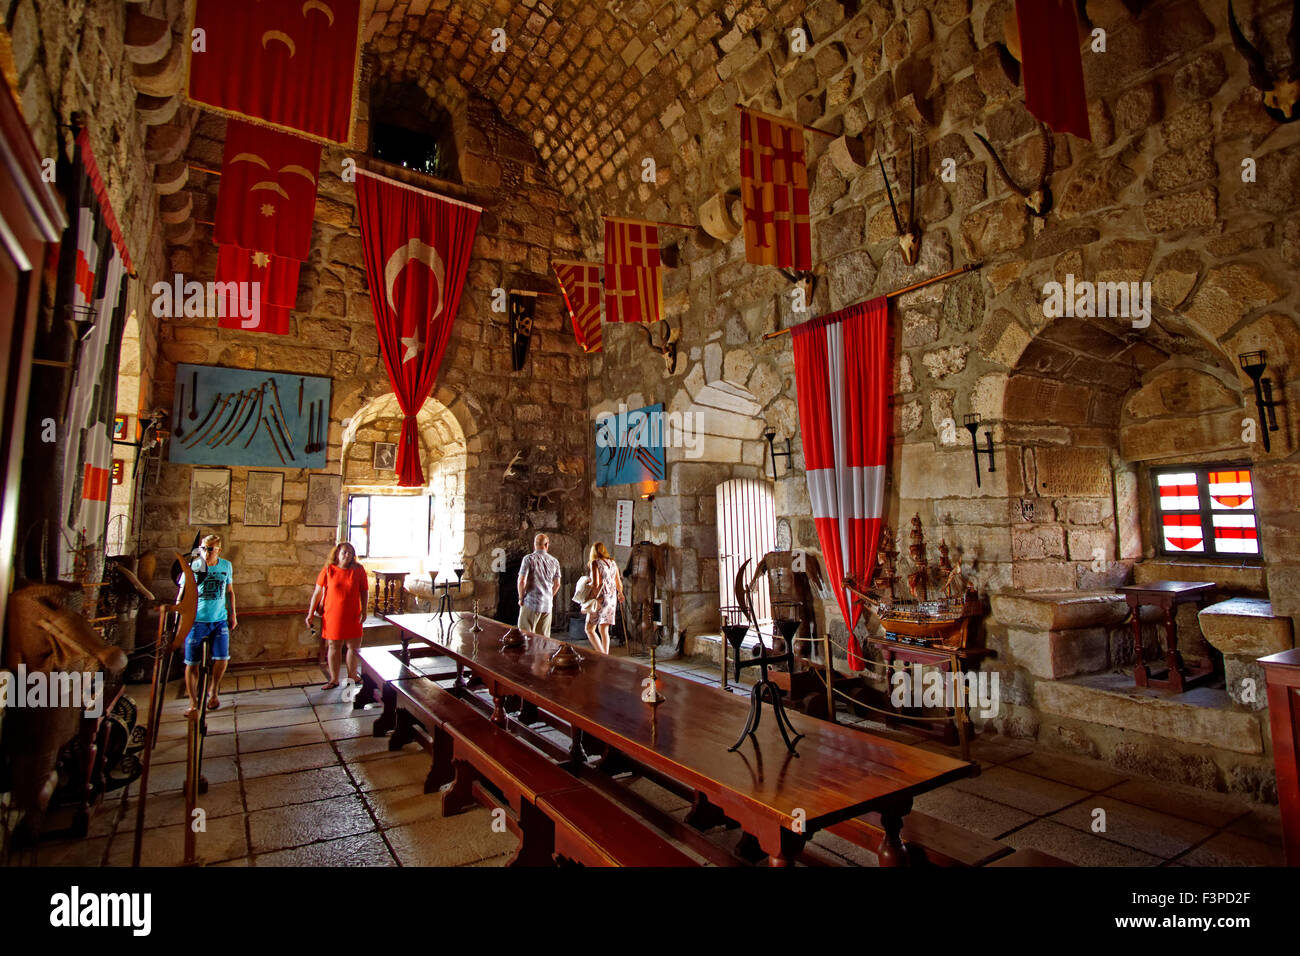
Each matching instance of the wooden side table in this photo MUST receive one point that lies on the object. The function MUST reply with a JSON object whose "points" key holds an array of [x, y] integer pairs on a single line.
{"points": [[1166, 595], [1282, 671], [390, 592]]}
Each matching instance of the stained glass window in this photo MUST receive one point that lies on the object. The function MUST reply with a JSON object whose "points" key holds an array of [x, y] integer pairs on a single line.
{"points": [[1206, 510]]}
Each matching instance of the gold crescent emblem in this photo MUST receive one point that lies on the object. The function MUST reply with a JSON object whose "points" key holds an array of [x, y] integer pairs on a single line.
{"points": [[421, 252], [251, 158], [274, 187], [318, 5], [299, 171], [283, 37]]}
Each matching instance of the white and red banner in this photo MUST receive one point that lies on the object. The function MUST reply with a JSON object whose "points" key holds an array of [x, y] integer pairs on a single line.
{"points": [[584, 298], [843, 380], [417, 248], [282, 63]]}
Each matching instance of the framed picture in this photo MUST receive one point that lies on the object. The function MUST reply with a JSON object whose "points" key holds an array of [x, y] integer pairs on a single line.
{"points": [[385, 456], [119, 428], [262, 499], [119, 468], [322, 510], [210, 496], [630, 447]]}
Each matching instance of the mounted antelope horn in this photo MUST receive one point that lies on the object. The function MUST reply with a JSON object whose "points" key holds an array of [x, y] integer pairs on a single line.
{"points": [[1039, 200], [1280, 94], [909, 240], [668, 347]]}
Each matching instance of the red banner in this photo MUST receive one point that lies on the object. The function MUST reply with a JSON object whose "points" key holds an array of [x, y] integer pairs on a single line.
{"points": [[580, 283], [842, 368], [1053, 65], [282, 63], [417, 249], [774, 192], [277, 279], [268, 191]]}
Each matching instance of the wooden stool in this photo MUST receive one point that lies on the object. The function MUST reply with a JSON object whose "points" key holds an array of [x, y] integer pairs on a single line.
{"points": [[1166, 595], [390, 592]]}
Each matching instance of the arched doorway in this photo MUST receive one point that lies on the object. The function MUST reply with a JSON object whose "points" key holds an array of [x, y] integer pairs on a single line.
{"points": [[746, 532]]}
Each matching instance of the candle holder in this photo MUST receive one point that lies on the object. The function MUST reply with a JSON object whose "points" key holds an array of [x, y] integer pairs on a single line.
{"points": [[1253, 364], [770, 435], [972, 423], [477, 627], [650, 694], [444, 600]]}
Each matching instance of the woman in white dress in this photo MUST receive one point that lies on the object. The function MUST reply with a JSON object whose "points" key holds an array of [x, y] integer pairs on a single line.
{"points": [[607, 589]]}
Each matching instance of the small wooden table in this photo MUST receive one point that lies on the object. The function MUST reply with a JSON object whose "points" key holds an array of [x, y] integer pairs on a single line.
{"points": [[1282, 671], [390, 592], [1166, 595]]}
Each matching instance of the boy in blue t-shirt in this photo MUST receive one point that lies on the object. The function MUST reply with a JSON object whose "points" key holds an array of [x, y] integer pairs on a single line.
{"points": [[215, 579]]}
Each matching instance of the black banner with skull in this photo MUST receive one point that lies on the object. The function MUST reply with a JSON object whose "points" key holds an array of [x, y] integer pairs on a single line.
{"points": [[521, 306]]}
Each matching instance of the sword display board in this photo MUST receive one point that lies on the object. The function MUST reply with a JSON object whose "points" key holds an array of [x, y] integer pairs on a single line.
{"points": [[249, 417]]}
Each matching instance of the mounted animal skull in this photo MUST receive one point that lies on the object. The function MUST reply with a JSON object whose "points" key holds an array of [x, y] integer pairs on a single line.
{"points": [[1039, 199], [909, 239], [668, 347], [1281, 93]]}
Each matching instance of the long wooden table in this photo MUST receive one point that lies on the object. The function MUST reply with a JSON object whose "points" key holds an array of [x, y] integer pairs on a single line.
{"points": [[778, 798]]}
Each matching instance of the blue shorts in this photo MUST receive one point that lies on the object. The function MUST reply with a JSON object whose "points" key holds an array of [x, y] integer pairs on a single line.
{"points": [[216, 632]]}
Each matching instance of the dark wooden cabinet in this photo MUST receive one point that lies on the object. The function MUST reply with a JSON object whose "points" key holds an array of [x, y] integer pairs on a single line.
{"points": [[1283, 674]]}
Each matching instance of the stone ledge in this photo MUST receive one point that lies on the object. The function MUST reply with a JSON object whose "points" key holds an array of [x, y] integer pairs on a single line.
{"points": [[1060, 610], [1057, 654], [1247, 578], [1187, 722], [1246, 626]]}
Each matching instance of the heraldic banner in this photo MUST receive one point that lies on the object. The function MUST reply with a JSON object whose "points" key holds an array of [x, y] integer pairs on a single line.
{"points": [[417, 247]]}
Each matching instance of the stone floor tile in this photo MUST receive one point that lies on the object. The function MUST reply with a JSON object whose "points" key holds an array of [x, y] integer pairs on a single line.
{"points": [[1021, 790], [274, 699], [1084, 774], [405, 768], [168, 809], [170, 751], [268, 719], [246, 682], [1263, 823], [346, 728], [281, 679], [971, 812], [362, 849], [656, 795], [224, 839], [218, 724], [284, 827], [398, 806], [262, 681], [1074, 846], [1142, 828], [301, 786], [1211, 809], [87, 852], [450, 841], [1233, 849], [171, 776], [275, 738], [998, 750], [338, 709], [502, 860], [287, 760], [367, 747], [851, 853]]}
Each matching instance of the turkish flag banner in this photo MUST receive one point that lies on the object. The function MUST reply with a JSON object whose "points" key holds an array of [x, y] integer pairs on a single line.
{"points": [[417, 248], [281, 63], [268, 191], [843, 381], [277, 278], [774, 192], [580, 283], [1053, 65]]}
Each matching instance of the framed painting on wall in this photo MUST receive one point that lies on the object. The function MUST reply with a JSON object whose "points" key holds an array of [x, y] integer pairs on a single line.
{"points": [[322, 508], [630, 447], [385, 456], [210, 496], [262, 499]]}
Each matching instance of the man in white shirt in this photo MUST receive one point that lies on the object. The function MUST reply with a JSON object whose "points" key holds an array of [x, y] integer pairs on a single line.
{"points": [[539, 579]]}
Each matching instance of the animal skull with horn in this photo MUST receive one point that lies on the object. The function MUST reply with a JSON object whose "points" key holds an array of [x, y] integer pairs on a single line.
{"points": [[668, 347], [1039, 199], [909, 239], [1282, 92]]}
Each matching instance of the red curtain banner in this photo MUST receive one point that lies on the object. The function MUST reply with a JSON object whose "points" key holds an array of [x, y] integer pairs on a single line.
{"points": [[277, 278], [282, 63], [268, 191], [417, 248], [580, 283], [843, 381], [774, 192], [1053, 65]]}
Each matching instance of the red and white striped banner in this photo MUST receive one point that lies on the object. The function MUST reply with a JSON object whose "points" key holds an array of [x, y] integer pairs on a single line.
{"points": [[843, 380]]}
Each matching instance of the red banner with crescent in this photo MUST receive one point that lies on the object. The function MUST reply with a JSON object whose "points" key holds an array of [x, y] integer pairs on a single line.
{"points": [[417, 248], [268, 191], [283, 63], [580, 283], [843, 378]]}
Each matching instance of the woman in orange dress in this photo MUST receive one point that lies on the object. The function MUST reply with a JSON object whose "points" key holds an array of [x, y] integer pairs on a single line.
{"points": [[341, 594]]}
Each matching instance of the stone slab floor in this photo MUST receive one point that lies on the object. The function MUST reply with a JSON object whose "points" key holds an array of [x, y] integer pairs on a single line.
{"points": [[295, 779]]}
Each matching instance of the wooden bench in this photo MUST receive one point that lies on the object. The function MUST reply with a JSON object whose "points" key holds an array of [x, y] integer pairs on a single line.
{"points": [[942, 843], [380, 666], [592, 830]]}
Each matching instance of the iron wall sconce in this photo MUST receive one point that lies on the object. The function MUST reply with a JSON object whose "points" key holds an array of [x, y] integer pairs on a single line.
{"points": [[972, 423], [770, 435], [1252, 363]]}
